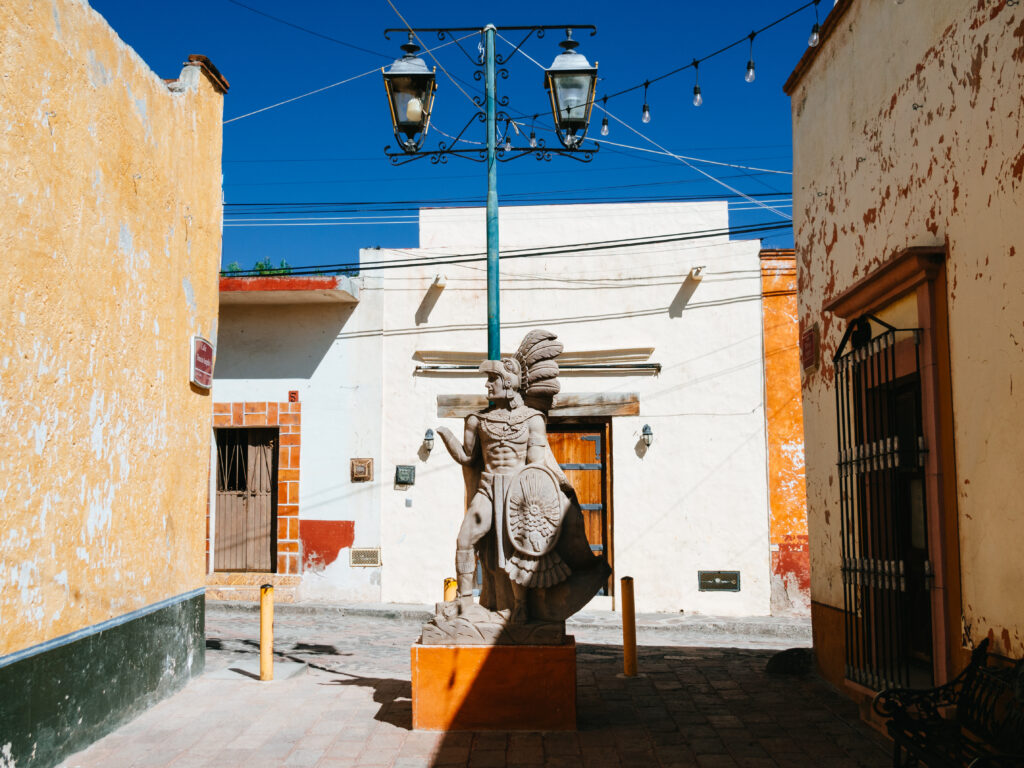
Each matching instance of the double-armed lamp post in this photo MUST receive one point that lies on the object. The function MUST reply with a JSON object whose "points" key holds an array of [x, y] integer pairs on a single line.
{"points": [[570, 82]]}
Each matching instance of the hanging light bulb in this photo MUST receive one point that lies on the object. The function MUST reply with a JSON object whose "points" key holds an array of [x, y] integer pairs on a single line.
{"points": [[749, 77], [646, 115], [508, 144], [815, 37], [604, 120], [533, 140], [697, 98], [604, 124]]}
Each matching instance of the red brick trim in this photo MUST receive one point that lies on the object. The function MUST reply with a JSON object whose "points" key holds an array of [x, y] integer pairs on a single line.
{"points": [[287, 417]]}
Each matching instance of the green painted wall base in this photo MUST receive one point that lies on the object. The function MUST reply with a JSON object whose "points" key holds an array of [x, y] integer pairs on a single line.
{"points": [[59, 701]]}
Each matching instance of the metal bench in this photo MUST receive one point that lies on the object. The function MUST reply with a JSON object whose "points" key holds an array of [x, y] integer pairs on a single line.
{"points": [[975, 720]]}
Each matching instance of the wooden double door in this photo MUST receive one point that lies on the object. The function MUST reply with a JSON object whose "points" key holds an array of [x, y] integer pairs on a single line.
{"points": [[583, 451], [246, 500]]}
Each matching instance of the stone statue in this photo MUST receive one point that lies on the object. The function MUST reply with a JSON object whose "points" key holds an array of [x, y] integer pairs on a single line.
{"points": [[523, 521]]}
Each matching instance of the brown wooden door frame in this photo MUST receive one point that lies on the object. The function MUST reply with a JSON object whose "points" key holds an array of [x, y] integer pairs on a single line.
{"points": [[603, 427], [921, 271], [246, 517]]}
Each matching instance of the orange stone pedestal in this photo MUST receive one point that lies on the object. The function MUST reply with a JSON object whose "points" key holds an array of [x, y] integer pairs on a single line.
{"points": [[494, 687]]}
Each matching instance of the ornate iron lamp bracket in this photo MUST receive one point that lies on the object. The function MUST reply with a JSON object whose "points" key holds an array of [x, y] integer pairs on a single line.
{"points": [[460, 147]]}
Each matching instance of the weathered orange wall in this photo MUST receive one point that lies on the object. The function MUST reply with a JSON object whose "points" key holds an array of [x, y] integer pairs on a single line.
{"points": [[110, 229], [787, 494]]}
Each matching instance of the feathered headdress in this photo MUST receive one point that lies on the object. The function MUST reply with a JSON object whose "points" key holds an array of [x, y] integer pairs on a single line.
{"points": [[537, 356]]}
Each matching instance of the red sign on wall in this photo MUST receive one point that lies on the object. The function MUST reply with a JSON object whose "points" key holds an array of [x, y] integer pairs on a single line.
{"points": [[202, 362]]}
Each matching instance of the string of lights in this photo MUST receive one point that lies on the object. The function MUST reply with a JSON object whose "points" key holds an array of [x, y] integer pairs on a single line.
{"points": [[750, 73], [710, 177]]}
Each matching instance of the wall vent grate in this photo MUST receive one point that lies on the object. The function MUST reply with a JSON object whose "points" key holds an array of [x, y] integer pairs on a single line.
{"points": [[364, 557]]}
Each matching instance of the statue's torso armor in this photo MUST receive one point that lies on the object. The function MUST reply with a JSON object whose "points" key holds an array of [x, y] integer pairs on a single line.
{"points": [[503, 438]]}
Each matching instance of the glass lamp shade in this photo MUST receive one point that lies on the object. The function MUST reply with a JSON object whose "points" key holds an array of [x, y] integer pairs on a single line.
{"points": [[410, 87], [570, 82]]}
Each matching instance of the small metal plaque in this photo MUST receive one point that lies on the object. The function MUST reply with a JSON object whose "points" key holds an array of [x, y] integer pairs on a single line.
{"points": [[405, 474], [364, 557], [718, 581], [361, 470]]}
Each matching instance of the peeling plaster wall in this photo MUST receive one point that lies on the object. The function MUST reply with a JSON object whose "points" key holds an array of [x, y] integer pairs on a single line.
{"points": [[110, 226], [907, 133], [787, 495]]}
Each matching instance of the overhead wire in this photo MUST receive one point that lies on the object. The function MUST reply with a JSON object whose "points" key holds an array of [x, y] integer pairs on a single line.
{"points": [[678, 157], [307, 30], [332, 85], [575, 249]]}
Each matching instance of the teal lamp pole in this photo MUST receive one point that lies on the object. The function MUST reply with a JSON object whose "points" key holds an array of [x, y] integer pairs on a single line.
{"points": [[570, 82], [493, 277]]}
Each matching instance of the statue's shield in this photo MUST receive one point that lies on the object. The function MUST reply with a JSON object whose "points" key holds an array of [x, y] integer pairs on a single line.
{"points": [[533, 510]]}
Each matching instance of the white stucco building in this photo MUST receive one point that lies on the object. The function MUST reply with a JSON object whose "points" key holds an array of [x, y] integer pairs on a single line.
{"points": [[658, 329]]}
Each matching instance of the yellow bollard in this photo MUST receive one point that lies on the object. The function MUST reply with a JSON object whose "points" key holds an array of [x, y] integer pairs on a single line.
{"points": [[451, 589], [628, 628], [267, 632]]}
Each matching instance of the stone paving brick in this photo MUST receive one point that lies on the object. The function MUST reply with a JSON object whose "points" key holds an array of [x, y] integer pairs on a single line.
{"points": [[490, 758], [692, 706]]}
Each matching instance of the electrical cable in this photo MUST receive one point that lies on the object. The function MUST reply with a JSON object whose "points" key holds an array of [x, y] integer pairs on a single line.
{"points": [[681, 158], [308, 31], [695, 168], [523, 253], [328, 87]]}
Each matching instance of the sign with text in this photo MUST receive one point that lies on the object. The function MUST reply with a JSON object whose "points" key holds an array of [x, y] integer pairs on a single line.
{"points": [[202, 362]]}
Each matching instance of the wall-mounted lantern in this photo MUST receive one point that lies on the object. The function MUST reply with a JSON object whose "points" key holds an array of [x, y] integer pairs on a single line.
{"points": [[428, 440], [410, 86], [570, 82], [647, 434]]}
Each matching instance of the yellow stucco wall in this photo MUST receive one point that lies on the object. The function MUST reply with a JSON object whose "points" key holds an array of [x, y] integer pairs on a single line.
{"points": [[907, 132], [110, 234]]}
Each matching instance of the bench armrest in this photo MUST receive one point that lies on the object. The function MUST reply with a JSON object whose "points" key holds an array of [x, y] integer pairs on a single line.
{"points": [[926, 702], [998, 761]]}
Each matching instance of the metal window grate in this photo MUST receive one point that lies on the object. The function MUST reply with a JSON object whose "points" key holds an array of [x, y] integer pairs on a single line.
{"points": [[364, 557]]}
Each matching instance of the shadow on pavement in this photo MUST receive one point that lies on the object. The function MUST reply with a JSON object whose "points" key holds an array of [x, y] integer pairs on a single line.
{"points": [[394, 697], [688, 706]]}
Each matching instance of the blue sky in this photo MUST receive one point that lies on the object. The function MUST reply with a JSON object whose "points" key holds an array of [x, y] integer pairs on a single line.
{"points": [[326, 149]]}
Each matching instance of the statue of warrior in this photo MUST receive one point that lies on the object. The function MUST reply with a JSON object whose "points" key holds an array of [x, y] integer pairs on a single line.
{"points": [[523, 519]]}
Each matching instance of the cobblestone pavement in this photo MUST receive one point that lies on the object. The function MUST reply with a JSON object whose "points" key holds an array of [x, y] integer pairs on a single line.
{"points": [[712, 706]]}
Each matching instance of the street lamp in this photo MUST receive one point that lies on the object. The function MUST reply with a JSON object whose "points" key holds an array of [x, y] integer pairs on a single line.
{"points": [[410, 87], [570, 82]]}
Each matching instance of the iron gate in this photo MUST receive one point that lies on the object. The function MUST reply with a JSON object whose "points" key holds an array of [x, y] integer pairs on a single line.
{"points": [[885, 567]]}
